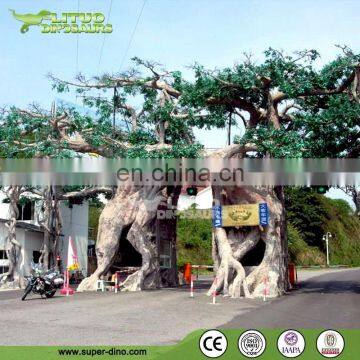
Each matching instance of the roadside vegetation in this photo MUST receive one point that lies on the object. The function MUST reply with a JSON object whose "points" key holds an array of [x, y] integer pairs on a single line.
{"points": [[310, 216]]}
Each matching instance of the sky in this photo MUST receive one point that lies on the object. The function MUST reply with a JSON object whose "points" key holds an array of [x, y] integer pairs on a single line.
{"points": [[176, 33]]}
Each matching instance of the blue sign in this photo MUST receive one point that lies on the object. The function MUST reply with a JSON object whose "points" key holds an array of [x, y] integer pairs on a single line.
{"points": [[217, 216], [263, 214]]}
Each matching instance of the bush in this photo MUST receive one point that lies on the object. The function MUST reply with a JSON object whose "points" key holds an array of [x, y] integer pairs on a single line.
{"points": [[312, 215], [194, 241], [300, 253]]}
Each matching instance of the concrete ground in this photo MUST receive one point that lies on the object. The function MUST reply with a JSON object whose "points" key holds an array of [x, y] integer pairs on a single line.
{"points": [[164, 316]]}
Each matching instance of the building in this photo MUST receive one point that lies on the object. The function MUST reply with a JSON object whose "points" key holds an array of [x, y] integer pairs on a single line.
{"points": [[30, 235], [203, 199]]}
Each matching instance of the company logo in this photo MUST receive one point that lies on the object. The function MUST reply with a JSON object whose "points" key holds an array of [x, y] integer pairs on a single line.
{"points": [[252, 343], [291, 343], [213, 343], [66, 23], [330, 343]]}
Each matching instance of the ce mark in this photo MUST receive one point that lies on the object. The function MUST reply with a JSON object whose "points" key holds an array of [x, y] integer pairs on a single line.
{"points": [[213, 343]]}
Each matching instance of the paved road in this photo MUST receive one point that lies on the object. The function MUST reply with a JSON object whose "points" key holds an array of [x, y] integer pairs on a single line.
{"points": [[142, 318], [167, 316], [327, 301]]}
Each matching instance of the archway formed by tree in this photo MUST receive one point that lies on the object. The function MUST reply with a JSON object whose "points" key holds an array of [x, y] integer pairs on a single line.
{"points": [[286, 106]]}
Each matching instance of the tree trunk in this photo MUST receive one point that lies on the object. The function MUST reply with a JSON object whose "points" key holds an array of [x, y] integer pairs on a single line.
{"points": [[13, 248], [231, 244], [46, 224], [57, 227], [133, 209]]}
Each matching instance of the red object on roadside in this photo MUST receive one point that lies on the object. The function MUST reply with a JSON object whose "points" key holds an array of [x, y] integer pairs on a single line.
{"points": [[67, 290], [187, 273], [292, 274]]}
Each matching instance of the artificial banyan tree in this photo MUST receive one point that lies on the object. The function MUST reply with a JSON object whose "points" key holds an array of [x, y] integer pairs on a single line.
{"points": [[285, 107]]}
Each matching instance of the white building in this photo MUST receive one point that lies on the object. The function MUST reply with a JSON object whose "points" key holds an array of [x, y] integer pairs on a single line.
{"points": [[30, 235], [203, 200]]}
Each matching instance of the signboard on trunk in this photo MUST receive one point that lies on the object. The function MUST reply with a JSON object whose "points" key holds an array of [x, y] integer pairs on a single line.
{"points": [[241, 215]]}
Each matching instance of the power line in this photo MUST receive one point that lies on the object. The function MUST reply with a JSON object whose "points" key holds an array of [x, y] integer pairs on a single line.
{"points": [[103, 42], [132, 34], [77, 43]]}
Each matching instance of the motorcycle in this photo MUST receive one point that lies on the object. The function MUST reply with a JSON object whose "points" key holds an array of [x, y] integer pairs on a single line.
{"points": [[43, 282]]}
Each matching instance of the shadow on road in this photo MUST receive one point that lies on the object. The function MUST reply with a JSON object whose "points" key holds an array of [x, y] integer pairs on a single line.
{"points": [[330, 287], [199, 285]]}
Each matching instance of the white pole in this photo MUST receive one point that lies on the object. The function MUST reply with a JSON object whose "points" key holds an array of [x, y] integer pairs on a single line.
{"points": [[327, 251], [214, 292], [191, 287], [265, 288], [326, 239]]}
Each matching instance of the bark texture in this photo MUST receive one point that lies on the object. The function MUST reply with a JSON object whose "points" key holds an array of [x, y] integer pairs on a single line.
{"points": [[231, 244], [50, 221], [13, 277], [133, 210]]}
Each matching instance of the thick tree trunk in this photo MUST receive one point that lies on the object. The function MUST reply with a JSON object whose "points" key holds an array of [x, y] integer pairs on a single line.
{"points": [[13, 277], [57, 227], [46, 224], [231, 244], [133, 209]]}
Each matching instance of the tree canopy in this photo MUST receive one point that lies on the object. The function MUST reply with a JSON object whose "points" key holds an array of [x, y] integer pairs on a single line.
{"points": [[287, 105]]}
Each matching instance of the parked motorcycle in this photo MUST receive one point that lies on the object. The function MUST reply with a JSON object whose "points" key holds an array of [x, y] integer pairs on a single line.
{"points": [[43, 282]]}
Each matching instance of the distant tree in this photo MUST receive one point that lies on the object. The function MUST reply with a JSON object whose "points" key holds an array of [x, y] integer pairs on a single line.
{"points": [[354, 193]]}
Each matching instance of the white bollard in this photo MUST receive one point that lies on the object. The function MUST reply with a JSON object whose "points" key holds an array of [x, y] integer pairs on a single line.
{"points": [[214, 292], [265, 287], [191, 287], [67, 282], [116, 283]]}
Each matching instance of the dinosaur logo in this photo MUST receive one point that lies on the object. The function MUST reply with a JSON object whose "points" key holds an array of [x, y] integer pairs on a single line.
{"points": [[66, 22], [31, 19]]}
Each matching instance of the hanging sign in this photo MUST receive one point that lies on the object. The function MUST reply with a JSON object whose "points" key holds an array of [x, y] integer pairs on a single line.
{"points": [[241, 215]]}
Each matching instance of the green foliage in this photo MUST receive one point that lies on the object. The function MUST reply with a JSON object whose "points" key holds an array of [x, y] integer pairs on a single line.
{"points": [[305, 210], [24, 200], [319, 124], [300, 252], [310, 216], [141, 137], [194, 241], [280, 143], [95, 208], [178, 150]]}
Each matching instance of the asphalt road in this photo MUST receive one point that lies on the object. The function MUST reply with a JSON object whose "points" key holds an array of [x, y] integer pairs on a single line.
{"points": [[142, 318], [331, 300], [166, 316]]}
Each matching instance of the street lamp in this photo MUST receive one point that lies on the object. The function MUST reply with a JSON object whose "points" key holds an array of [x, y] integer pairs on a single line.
{"points": [[326, 239]]}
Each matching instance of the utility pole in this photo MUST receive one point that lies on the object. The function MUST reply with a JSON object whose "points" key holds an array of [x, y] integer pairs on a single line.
{"points": [[229, 130], [115, 104], [326, 239]]}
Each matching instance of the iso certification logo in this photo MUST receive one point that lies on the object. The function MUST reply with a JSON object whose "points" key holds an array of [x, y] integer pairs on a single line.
{"points": [[252, 343]]}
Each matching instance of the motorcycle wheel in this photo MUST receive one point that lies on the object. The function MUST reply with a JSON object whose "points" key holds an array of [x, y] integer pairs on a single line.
{"points": [[26, 292], [50, 294]]}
